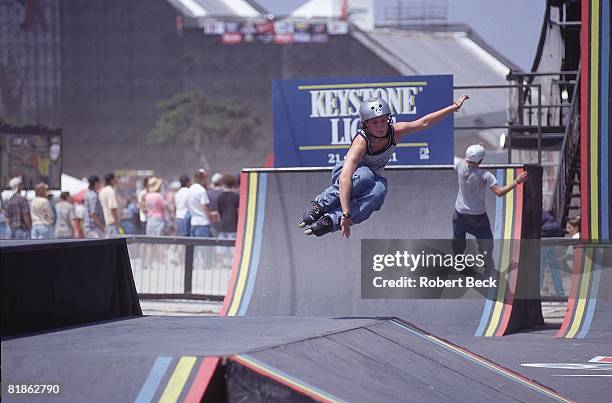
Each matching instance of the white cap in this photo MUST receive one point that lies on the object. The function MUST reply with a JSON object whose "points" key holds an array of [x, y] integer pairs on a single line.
{"points": [[475, 153], [15, 182], [216, 179]]}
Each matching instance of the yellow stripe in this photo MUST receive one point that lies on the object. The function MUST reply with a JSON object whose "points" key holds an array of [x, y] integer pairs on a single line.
{"points": [[248, 244], [345, 146], [177, 380], [594, 118], [285, 379], [505, 260], [362, 85], [582, 298], [330, 147]]}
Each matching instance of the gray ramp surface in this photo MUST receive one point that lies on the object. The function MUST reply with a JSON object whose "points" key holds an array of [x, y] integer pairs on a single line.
{"points": [[110, 362], [565, 365], [294, 274], [389, 362], [362, 359]]}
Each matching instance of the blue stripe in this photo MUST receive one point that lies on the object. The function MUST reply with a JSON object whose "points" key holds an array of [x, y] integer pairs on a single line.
{"points": [[499, 225], [596, 270], [604, 125], [147, 392], [258, 236]]}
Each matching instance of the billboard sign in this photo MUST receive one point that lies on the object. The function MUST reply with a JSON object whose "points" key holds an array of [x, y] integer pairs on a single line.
{"points": [[315, 120]]}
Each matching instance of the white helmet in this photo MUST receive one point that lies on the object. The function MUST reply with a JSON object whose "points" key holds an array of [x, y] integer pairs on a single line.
{"points": [[475, 153]]}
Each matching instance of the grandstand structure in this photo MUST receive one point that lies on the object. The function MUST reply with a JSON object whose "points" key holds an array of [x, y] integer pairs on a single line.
{"points": [[118, 60]]}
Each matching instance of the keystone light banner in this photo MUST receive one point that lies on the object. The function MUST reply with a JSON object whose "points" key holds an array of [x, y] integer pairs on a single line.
{"points": [[316, 119]]}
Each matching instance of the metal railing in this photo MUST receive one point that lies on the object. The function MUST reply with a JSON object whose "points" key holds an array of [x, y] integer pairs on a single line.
{"points": [[526, 105], [181, 267], [509, 127], [566, 170]]}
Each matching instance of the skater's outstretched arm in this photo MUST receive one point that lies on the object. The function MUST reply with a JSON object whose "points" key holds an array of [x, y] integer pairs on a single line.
{"points": [[502, 191], [403, 128], [354, 155]]}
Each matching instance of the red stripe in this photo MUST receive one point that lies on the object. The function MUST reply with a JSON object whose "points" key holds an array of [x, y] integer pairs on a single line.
{"points": [[577, 277], [278, 379], [202, 379], [516, 251], [237, 259], [584, 121], [269, 161], [478, 357]]}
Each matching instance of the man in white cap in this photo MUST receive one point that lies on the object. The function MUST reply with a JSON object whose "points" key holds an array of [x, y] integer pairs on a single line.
{"points": [[470, 210], [18, 211]]}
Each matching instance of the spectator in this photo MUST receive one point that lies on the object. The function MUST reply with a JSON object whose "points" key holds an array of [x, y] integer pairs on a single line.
{"points": [[65, 216], [108, 201], [197, 203], [182, 216], [3, 221], [52, 202], [18, 211], [141, 207], [227, 205], [213, 194], [79, 219], [94, 216], [548, 255], [573, 227], [573, 230], [130, 220], [170, 208], [42, 215], [154, 208]]}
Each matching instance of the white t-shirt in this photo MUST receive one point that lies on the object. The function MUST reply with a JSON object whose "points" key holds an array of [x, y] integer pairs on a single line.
{"points": [[473, 185], [197, 198], [180, 202]]}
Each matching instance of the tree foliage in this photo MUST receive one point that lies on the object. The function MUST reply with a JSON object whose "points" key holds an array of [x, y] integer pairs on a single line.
{"points": [[191, 119]]}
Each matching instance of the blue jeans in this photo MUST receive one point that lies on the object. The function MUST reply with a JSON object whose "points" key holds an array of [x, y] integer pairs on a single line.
{"points": [[477, 225], [548, 258], [19, 233], [155, 226], [201, 231], [128, 226], [183, 226], [367, 196], [41, 231]]}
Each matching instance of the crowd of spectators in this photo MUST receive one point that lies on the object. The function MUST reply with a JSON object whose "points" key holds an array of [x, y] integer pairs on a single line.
{"points": [[191, 206]]}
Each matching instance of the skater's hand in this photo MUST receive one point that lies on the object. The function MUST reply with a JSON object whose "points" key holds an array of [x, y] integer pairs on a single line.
{"points": [[345, 224], [521, 178], [460, 101]]}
